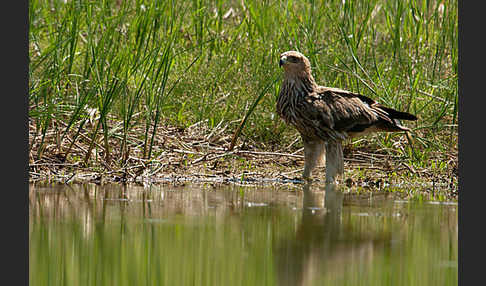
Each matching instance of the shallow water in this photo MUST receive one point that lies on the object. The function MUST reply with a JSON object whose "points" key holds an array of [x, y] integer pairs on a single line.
{"points": [[234, 235]]}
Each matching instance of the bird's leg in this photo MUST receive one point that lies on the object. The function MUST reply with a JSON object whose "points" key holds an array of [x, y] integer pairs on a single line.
{"points": [[313, 154], [334, 160]]}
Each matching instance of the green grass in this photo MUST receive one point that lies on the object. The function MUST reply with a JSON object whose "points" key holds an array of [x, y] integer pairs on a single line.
{"points": [[138, 65]]}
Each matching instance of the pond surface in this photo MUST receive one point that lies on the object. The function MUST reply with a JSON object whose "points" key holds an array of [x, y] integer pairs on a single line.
{"points": [[237, 235]]}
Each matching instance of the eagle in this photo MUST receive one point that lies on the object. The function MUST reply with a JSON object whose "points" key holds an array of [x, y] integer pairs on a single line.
{"points": [[326, 116]]}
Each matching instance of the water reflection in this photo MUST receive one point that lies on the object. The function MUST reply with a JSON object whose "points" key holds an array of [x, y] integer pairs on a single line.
{"points": [[322, 242], [235, 235]]}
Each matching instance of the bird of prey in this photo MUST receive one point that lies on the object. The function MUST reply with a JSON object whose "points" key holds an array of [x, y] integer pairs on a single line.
{"points": [[326, 116]]}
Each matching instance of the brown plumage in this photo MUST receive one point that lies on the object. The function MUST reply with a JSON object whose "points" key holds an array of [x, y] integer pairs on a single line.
{"points": [[325, 116]]}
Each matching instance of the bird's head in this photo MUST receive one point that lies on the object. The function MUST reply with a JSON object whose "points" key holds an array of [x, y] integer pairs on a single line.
{"points": [[294, 62]]}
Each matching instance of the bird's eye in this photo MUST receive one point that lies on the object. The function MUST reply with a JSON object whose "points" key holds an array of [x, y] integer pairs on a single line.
{"points": [[293, 59]]}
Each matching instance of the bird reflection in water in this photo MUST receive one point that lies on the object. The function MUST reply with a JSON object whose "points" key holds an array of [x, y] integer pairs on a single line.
{"points": [[323, 245]]}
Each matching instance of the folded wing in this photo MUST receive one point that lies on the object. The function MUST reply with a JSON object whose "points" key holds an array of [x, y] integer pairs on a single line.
{"points": [[338, 113]]}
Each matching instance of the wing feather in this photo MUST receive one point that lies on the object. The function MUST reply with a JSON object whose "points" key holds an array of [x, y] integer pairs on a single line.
{"points": [[343, 113]]}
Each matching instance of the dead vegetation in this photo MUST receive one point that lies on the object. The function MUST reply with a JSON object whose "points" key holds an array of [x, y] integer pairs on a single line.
{"points": [[200, 154]]}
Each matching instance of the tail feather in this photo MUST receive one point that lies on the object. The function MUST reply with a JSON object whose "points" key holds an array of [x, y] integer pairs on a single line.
{"points": [[395, 114]]}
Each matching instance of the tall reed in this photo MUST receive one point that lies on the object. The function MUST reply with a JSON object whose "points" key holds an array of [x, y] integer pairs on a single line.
{"points": [[132, 64]]}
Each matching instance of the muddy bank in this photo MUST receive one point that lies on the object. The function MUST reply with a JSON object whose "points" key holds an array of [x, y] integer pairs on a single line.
{"points": [[198, 154]]}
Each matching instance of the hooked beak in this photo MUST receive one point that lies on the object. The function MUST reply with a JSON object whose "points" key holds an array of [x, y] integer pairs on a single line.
{"points": [[282, 61]]}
